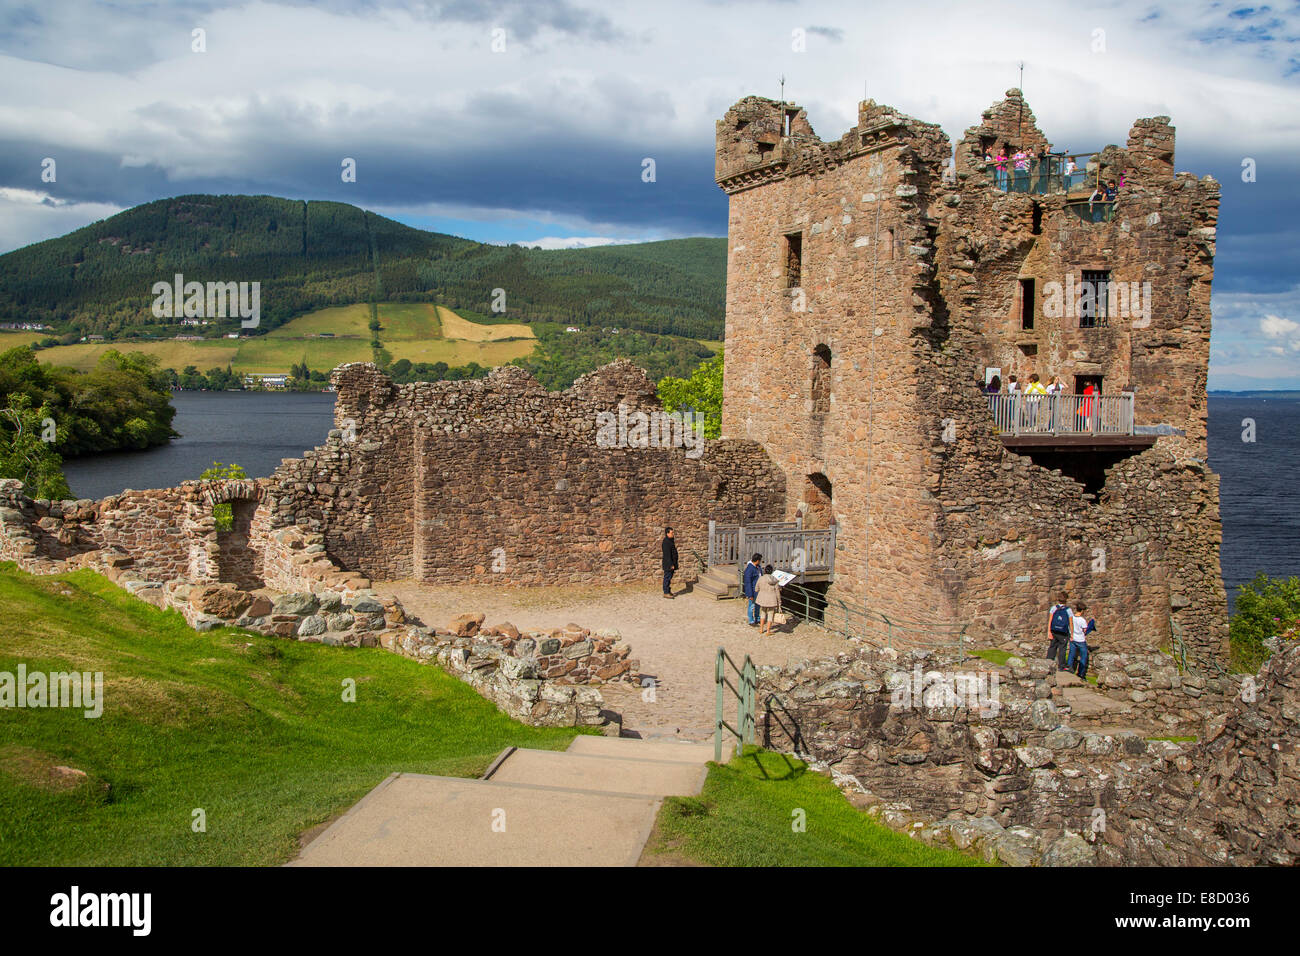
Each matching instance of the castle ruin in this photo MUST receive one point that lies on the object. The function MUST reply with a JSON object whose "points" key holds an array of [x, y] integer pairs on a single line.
{"points": [[872, 291]]}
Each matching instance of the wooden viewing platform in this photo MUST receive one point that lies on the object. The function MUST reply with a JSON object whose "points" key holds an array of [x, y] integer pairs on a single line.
{"points": [[808, 553]]}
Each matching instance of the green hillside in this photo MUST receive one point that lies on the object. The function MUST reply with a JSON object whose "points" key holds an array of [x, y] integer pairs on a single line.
{"points": [[179, 711], [314, 255]]}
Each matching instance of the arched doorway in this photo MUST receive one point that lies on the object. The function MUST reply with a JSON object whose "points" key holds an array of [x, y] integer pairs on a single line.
{"points": [[817, 501]]}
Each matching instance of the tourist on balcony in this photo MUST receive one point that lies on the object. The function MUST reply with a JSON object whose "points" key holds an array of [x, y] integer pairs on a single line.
{"points": [[1021, 160], [1084, 414], [1012, 406], [1034, 393], [1111, 190], [768, 592], [669, 548], [1055, 389], [1059, 629], [749, 586], [1071, 170], [1077, 661], [1000, 169]]}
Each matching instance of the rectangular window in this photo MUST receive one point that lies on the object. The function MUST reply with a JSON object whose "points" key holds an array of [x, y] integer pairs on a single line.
{"points": [[1094, 292], [1027, 304], [793, 260]]}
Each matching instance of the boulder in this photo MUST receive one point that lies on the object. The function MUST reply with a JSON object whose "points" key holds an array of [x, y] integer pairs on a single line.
{"points": [[1069, 850], [297, 602], [220, 600], [466, 625]]}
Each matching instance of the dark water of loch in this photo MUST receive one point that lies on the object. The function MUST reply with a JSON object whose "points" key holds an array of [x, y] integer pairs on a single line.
{"points": [[251, 429], [1259, 494], [1259, 498]]}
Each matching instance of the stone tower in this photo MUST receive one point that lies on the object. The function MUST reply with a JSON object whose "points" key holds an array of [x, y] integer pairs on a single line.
{"points": [[872, 288]]}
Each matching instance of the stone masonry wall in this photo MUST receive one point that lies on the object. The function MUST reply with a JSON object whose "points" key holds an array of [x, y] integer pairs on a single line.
{"points": [[1028, 782], [498, 480]]}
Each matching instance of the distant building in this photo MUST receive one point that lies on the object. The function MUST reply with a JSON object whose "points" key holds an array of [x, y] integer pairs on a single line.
{"points": [[275, 380], [571, 328]]}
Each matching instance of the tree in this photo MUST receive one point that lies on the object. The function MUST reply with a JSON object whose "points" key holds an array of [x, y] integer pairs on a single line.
{"points": [[223, 513], [1266, 607], [701, 394], [25, 455]]}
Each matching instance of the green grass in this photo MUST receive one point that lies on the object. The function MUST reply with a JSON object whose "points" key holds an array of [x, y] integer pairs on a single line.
{"points": [[745, 817], [993, 655], [253, 730]]}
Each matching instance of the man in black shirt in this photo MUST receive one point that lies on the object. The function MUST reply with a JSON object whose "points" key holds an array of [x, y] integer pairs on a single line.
{"points": [[669, 562]]}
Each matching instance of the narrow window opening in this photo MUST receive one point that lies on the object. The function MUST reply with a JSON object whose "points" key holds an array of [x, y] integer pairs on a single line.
{"points": [[793, 260], [1027, 304], [821, 381], [1036, 224]]}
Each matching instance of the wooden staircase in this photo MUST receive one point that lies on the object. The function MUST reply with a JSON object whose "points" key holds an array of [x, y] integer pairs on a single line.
{"points": [[720, 582]]}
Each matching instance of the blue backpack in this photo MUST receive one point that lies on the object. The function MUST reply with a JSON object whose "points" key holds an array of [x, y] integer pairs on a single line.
{"points": [[1061, 620]]}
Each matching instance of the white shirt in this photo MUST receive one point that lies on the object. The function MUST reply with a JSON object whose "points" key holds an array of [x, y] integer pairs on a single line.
{"points": [[1078, 625]]}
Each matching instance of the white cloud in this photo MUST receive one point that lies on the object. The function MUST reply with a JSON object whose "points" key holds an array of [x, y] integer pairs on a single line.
{"points": [[28, 216], [1276, 327], [575, 242]]}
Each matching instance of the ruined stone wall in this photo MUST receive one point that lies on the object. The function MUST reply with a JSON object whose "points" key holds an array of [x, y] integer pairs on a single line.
{"points": [[499, 480], [1031, 782]]}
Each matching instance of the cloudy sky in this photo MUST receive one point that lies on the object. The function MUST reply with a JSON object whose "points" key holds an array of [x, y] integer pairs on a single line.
{"points": [[529, 121]]}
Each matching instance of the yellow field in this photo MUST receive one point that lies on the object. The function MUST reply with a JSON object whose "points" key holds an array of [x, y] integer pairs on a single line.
{"points": [[177, 355], [11, 340], [420, 332], [454, 327]]}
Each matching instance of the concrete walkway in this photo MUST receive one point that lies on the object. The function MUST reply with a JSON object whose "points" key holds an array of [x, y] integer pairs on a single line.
{"points": [[591, 805]]}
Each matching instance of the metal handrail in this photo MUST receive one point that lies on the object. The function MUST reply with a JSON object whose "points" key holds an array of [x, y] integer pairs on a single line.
{"points": [[853, 620], [744, 695]]}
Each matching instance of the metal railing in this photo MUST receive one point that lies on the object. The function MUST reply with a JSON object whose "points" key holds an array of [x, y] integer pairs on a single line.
{"points": [[747, 675], [855, 620], [1055, 173], [1089, 210], [1021, 414], [786, 545]]}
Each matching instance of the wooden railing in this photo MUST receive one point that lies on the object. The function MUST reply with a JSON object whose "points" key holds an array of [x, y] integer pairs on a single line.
{"points": [[1021, 414], [786, 545]]}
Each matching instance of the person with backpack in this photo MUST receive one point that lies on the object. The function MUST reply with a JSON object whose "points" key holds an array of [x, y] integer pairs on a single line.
{"points": [[1059, 629], [669, 549], [1077, 661], [749, 586]]}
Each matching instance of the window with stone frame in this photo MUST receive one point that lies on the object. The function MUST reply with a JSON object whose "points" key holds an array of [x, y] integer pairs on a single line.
{"points": [[1094, 291]]}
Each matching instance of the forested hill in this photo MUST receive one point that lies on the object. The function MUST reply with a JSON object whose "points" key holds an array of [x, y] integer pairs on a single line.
{"points": [[308, 255]]}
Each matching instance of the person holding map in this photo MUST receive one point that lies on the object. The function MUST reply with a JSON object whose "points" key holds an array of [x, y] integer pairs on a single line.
{"points": [[769, 599]]}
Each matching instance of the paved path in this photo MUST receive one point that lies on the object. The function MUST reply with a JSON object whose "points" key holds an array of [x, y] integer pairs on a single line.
{"points": [[675, 640], [591, 805]]}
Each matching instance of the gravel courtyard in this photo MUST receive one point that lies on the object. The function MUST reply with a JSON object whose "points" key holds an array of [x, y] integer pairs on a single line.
{"points": [[675, 641]]}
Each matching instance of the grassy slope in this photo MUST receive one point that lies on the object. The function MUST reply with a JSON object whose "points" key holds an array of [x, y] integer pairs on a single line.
{"points": [[745, 814], [251, 729]]}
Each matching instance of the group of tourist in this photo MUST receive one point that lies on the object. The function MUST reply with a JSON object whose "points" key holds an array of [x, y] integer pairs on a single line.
{"points": [[1067, 630], [762, 594], [1026, 170], [1032, 410], [761, 589]]}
